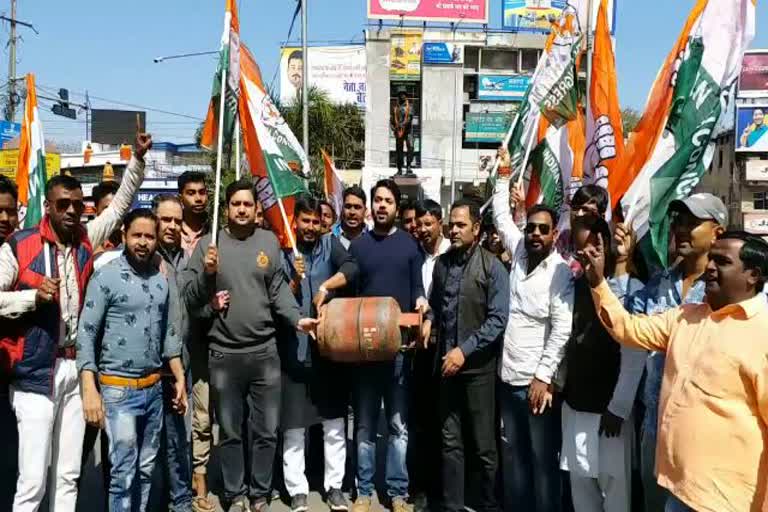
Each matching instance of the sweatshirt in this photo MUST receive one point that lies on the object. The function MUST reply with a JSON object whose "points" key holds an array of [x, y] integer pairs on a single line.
{"points": [[260, 298]]}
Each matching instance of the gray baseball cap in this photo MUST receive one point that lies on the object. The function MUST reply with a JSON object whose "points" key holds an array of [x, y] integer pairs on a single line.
{"points": [[703, 206]]}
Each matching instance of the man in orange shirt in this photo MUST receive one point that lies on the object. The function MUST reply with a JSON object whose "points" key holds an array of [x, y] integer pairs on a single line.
{"points": [[713, 427]]}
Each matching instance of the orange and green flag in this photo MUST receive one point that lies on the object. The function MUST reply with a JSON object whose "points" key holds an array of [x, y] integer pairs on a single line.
{"points": [[30, 173]]}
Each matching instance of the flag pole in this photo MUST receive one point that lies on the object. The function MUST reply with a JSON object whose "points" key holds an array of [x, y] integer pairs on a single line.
{"points": [[237, 147], [219, 156], [590, 50], [526, 155]]}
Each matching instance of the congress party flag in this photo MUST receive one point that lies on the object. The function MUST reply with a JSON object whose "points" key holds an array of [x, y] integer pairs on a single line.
{"points": [[30, 173], [274, 155], [229, 70], [672, 145], [332, 184], [605, 136]]}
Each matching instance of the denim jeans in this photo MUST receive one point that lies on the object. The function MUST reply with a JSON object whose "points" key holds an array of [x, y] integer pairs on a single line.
{"points": [[178, 468], [675, 505], [134, 419], [531, 470], [387, 381]]}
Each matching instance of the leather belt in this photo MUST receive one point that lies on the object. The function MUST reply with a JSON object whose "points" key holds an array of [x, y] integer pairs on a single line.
{"points": [[67, 352], [125, 382]]}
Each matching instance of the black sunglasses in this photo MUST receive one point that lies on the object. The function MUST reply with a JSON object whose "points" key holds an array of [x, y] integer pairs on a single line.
{"points": [[531, 227], [63, 205]]}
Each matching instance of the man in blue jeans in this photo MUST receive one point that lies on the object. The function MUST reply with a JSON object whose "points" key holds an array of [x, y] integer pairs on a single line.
{"points": [[389, 264], [178, 469], [124, 336], [540, 316]]}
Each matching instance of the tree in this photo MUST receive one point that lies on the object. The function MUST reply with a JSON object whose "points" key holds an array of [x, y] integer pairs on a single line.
{"points": [[629, 119], [336, 128]]}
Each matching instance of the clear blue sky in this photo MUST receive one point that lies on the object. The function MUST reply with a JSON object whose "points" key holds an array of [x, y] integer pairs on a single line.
{"points": [[108, 49]]}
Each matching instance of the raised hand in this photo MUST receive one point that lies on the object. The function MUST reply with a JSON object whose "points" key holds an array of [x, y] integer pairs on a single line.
{"points": [[142, 145], [211, 262]]}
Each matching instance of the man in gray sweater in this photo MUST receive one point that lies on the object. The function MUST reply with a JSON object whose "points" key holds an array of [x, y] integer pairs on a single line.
{"points": [[253, 298]]}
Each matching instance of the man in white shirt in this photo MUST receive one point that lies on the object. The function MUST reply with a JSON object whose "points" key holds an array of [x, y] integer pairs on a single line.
{"points": [[43, 273], [424, 445], [540, 316]]}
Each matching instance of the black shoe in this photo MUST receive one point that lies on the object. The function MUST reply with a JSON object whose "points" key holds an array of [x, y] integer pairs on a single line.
{"points": [[336, 501], [299, 503]]}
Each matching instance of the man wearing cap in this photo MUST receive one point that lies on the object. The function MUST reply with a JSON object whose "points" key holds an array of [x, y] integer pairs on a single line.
{"points": [[696, 223]]}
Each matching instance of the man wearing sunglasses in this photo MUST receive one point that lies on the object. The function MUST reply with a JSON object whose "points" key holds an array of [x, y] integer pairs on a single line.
{"points": [[43, 274], [696, 223], [540, 314]]}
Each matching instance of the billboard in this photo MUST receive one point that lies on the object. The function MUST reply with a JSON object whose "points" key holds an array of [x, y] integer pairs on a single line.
{"points": [[502, 87], [466, 11], [487, 127], [534, 15], [9, 161], [751, 128], [9, 131], [756, 223], [756, 170], [338, 70], [753, 80], [405, 56], [116, 126], [443, 53]]}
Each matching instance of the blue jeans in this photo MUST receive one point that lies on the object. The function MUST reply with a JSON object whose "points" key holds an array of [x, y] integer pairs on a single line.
{"points": [[134, 419], [387, 381], [675, 505], [531, 468], [177, 451]]}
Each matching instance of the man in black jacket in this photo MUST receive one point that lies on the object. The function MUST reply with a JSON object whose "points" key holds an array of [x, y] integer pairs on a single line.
{"points": [[470, 305]]}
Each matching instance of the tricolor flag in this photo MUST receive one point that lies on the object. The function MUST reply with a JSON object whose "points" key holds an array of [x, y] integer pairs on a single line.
{"points": [[30, 173], [552, 93], [557, 167], [271, 149], [229, 65], [672, 144], [333, 186], [605, 135]]}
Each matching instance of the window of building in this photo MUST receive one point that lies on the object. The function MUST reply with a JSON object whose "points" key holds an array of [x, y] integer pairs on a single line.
{"points": [[528, 61], [471, 57], [760, 201], [500, 60], [470, 87]]}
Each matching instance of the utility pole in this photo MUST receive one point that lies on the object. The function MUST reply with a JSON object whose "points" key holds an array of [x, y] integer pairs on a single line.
{"points": [[305, 79], [10, 106], [10, 112]]}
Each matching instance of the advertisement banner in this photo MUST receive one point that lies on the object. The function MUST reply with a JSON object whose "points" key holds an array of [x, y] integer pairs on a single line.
{"points": [[756, 170], [502, 87], [9, 131], [466, 11], [443, 53], [487, 127], [756, 223], [753, 80], [338, 70], [9, 161], [751, 128], [405, 56], [535, 15]]}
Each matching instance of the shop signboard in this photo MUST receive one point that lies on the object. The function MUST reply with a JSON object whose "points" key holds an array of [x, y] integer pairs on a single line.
{"points": [[340, 71], [487, 127], [442, 53], [405, 56], [465, 11], [752, 128], [502, 87], [753, 80]]}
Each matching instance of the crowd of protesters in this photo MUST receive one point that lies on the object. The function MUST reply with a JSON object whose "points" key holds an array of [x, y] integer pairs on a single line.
{"points": [[552, 370]]}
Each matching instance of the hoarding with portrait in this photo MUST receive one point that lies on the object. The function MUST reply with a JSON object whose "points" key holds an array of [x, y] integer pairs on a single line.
{"points": [[337, 70], [752, 128]]}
